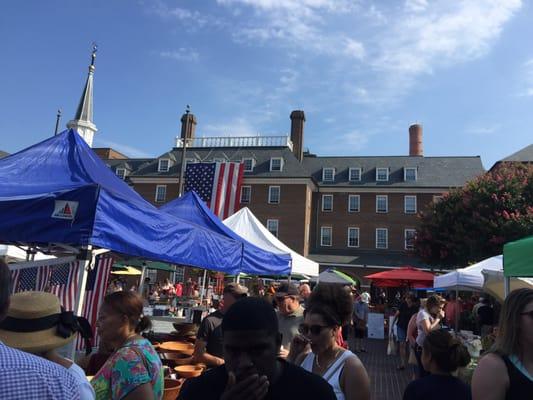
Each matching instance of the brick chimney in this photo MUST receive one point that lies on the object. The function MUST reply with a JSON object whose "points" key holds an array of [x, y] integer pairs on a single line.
{"points": [[297, 133], [415, 140], [188, 125]]}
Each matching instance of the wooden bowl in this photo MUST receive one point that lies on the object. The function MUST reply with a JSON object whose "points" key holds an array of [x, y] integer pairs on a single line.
{"points": [[183, 347], [172, 389], [175, 358], [189, 371]]}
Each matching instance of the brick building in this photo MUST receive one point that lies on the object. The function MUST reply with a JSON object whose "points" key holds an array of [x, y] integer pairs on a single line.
{"points": [[355, 213]]}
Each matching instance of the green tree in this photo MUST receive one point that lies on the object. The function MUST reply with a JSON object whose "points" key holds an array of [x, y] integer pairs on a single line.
{"points": [[474, 222]]}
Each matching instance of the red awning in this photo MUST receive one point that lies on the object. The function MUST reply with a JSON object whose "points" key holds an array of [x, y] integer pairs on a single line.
{"points": [[402, 276]]}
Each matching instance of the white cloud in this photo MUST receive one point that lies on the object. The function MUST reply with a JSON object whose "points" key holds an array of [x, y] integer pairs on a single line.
{"points": [[181, 54], [416, 5], [126, 149], [478, 130], [236, 127], [354, 48]]}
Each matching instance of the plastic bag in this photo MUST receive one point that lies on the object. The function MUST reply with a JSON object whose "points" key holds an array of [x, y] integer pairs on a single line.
{"points": [[391, 346]]}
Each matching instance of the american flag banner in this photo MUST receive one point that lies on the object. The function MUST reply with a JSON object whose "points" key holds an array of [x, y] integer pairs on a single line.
{"points": [[30, 279], [218, 184], [63, 283], [95, 290]]}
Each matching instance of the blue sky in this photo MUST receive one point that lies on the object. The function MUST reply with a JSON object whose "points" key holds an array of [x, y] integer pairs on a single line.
{"points": [[362, 71]]}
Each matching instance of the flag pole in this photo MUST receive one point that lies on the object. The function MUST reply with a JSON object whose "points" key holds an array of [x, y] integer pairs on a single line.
{"points": [[183, 154]]}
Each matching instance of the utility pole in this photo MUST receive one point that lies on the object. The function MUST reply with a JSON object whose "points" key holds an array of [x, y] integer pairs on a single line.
{"points": [[183, 154]]}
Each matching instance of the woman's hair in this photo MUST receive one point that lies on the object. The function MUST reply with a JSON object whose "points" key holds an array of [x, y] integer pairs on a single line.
{"points": [[447, 352], [333, 302], [129, 304], [509, 329], [433, 301]]}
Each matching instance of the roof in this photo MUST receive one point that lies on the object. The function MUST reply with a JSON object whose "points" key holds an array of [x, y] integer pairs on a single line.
{"points": [[373, 259], [431, 171], [522, 155], [442, 172]]}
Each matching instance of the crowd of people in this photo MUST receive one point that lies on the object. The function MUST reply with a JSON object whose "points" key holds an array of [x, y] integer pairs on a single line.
{"points": [[289, 343]]}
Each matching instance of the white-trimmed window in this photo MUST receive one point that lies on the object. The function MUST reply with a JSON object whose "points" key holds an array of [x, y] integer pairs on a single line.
{"points": [[354, 203], [354, 174], [409, 235], [382, 203], [409, 174], [273, 226], [382, 174], [410, 204], [246, 194], [353, 237], [382, 238], [248, 164], [180, 274], [164, 165], [326, 236], [274, 194], [121, 173], [327, 202], [160, 193], [276, 164], [328, 174]]}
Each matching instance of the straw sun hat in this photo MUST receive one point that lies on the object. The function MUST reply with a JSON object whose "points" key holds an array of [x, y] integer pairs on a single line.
{"points": [[35, 323]]}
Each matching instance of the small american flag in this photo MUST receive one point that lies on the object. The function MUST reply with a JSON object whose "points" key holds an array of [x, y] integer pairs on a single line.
{"points": [[218, 184], [31, 278], [64, 283], [94, 294]]}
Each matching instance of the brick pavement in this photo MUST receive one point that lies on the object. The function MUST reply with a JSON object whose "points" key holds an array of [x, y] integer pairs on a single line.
{"points": [[386, 381]]}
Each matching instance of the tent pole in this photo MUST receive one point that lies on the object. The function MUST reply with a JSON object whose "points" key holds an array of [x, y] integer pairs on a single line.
{"points": [[506, 286], [238, 278], [456, 313], [82, 283], [289, 279], [203, 288], [143, 277]]}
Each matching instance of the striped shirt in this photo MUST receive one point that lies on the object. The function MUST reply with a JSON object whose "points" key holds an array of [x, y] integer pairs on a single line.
{"points": [[25, 376]]}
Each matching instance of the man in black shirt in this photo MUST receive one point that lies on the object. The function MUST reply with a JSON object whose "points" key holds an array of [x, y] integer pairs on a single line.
{"points": [[407, 309], [252, 370], [485, 315], [208, 346]]}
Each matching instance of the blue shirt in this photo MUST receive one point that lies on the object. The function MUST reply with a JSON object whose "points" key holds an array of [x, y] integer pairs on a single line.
{"points": [[25, 376]]}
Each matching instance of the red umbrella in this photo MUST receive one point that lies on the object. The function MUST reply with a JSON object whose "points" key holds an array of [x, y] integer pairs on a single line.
{"points": [[402, 276]]}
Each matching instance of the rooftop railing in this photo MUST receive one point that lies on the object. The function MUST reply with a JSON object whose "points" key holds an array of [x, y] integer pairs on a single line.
{"points": [[237, 141]]}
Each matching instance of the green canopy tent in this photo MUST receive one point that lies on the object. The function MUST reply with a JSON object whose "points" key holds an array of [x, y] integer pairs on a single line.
{"points": [[517, 260]]}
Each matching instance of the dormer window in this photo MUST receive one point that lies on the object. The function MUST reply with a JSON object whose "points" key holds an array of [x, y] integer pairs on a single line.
{"points": [[248, 164], [164, 165], [328, 174], [409, 174], [121, 173], [354, 174], [276, 164], [382, 174]]}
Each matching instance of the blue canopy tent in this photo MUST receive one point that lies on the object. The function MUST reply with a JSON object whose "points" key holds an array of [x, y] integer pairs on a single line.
{"points": [[59, 191], [256, 261]]}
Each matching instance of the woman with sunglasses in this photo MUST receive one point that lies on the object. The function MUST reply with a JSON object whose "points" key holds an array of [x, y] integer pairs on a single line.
{"points": [[506, 372], [329, 308]]}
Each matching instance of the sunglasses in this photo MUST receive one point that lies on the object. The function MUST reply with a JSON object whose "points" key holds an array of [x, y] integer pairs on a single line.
{"points": [[528, 313], [304, 329]]}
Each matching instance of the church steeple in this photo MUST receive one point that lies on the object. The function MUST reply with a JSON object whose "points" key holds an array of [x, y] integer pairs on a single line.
{"points": [[83, 120]]}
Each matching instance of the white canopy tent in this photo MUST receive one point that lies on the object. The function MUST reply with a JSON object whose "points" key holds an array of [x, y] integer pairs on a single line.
{"points": [[494, 283], [14, 253], [469, 278], [245, 224]]}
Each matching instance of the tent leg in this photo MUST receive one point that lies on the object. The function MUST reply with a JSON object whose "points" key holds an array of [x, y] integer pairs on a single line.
{"points": [[289, 279], [506, 286], [238, 278], [82, 279], [141, 283], [456, 313], [203, 288]]}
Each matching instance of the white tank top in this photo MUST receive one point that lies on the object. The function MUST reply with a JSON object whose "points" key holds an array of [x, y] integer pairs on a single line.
{"points": [[333, 374]]}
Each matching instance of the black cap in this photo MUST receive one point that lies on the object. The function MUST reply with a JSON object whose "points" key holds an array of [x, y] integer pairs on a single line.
{"points": [[287, 289]]}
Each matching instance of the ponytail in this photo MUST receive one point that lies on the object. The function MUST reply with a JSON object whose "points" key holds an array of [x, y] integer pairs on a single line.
{"points": [[144, 324]]}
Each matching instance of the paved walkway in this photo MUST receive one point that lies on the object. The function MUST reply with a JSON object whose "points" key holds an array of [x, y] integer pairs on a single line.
{"points": [[386, 381]]}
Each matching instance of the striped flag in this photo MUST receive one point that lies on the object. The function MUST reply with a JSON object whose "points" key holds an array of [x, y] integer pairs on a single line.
{"points": [[30, 278], [218, 184], [95, 290], [64, 283]]}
